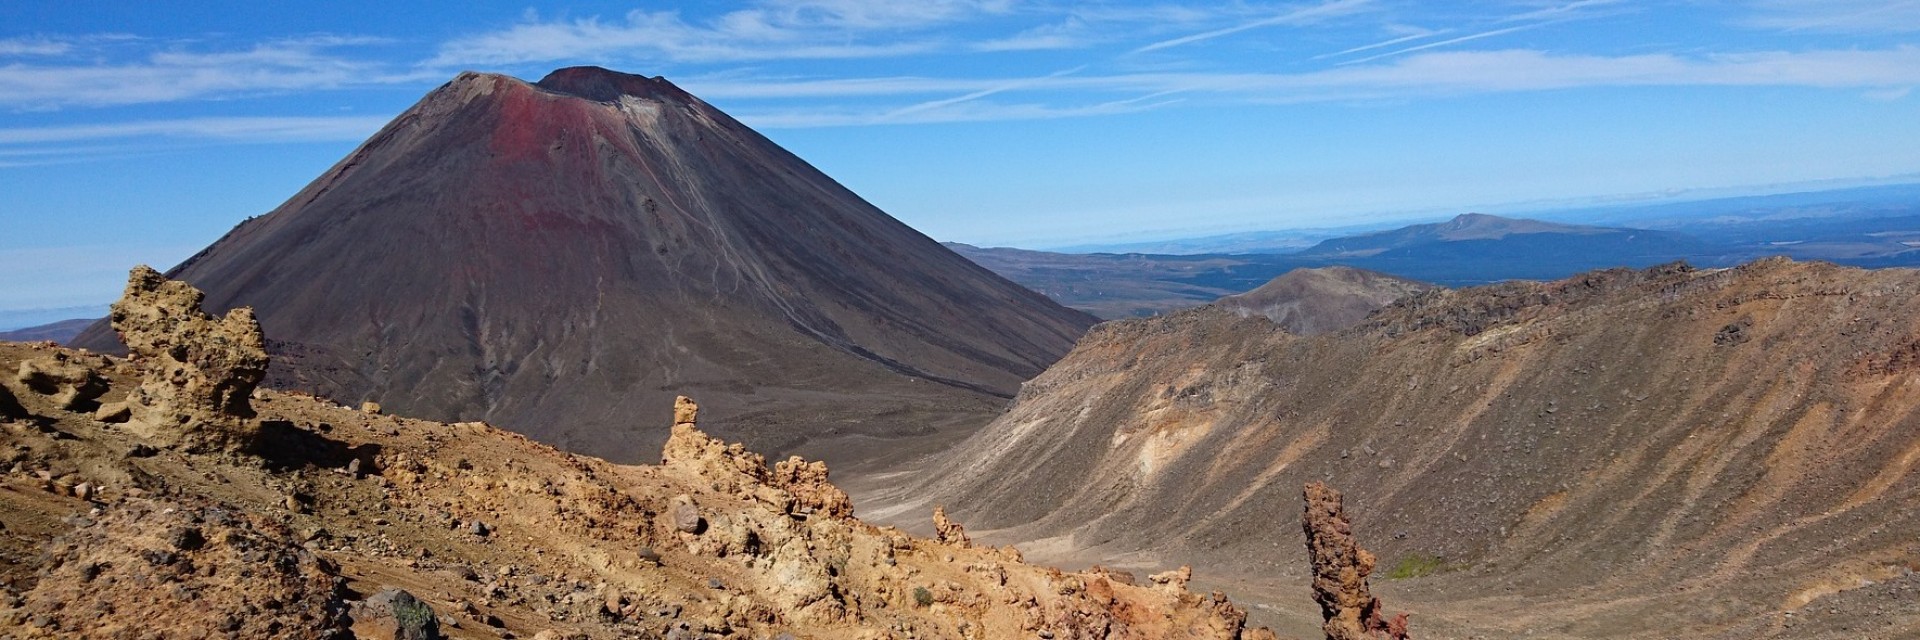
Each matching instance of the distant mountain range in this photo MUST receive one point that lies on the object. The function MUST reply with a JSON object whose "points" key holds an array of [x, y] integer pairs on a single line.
{"points": [[1478, 248], [61, 331]]}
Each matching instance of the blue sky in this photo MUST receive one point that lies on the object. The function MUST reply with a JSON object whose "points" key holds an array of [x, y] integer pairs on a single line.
{"points": [[140, 132]]}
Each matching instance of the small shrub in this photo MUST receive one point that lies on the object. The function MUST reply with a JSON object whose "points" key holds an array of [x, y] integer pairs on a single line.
{"points": [[922, 597], [1417, 565]]}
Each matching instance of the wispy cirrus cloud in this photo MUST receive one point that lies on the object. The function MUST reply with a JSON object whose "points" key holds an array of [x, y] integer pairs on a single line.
{"points": [[957, 112], [1291, 17], [1070, 34], [10, 47], [1885, 72], [770, 30], [180, 73], [1836, 16], [248, 129], [1543, 16]]}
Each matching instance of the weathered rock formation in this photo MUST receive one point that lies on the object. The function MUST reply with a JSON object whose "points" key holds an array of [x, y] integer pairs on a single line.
{"points": [[1340, 570], [812, 492], [198, 372], [493, 534], [948, 531], [69, 383]]}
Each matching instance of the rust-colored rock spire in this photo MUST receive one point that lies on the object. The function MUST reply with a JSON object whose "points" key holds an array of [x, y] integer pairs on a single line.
{"points": [[1340, 569]]}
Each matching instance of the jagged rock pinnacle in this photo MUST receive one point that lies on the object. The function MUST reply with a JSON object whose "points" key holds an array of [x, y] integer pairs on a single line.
{"points": [[1340, 569]]}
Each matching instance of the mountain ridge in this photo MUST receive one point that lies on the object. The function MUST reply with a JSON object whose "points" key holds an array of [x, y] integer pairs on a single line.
{"points": [[1607, 448]]}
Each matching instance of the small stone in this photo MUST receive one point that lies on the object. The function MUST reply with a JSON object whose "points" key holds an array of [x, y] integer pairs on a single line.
{"points": [[405, 616], [353, 468], [370, 407], [478, 528], [186, 538], [113, 412], [686, 518], [85, 491]]}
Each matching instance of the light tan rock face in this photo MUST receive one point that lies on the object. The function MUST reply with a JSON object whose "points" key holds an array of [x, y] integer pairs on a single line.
{"points": [[71, 384], [197, 372]]}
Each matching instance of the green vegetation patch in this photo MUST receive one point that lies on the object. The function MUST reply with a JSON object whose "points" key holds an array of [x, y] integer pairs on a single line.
{"points": [[1417, 565]]}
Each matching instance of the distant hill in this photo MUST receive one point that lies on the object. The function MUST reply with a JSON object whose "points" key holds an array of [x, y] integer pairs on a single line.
{"points": [[1314, 301], [1509, 236], [1110, 285], [1468, 250], [61, 332], [1282, 241]]}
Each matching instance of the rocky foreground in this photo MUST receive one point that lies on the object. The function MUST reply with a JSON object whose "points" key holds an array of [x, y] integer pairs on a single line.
{"points": [[165, 496]]}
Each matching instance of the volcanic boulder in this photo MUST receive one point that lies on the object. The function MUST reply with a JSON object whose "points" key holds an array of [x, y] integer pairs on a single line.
{"points": [[197, 372]]}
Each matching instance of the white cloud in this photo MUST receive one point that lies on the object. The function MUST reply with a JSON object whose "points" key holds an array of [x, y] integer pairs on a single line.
{"points": [[1408, 35], [33, 47], [1066, 35], [1450, 41], [1842, 16], [1882, 74], [1527, 70], [956, 112], [181, 74], [772, 30], [1299, 16], [1433, 73], [935, 105], [1562, 11], [237, 129]]}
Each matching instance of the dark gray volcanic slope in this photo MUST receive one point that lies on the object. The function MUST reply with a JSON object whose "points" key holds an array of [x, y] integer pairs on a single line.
{"points": [[549, 256]]}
